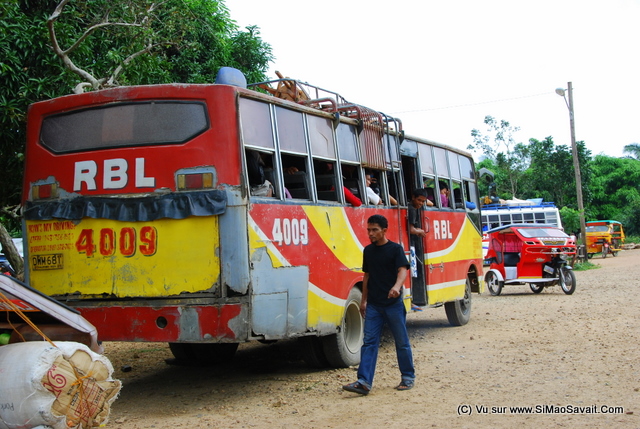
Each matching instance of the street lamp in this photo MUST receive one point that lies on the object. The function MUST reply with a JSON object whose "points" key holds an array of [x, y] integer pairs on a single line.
{"points": [[576, 162]]}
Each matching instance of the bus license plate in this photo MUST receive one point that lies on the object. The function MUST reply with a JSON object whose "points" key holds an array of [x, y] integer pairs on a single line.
{"points": [[47, 262]]}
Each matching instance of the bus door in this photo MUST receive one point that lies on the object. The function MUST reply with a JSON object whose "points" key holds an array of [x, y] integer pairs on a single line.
{"points": [[411, 176]]}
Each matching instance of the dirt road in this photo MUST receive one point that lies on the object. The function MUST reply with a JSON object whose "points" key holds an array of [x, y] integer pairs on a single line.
{"points": [[575, 357]]}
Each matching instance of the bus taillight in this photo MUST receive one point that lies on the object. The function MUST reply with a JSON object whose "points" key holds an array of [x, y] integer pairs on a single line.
{"points": [[195, 181], [43, 192]]}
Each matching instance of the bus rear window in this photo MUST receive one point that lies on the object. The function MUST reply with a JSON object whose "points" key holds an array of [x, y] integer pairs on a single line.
{"points": [[124, 124]]}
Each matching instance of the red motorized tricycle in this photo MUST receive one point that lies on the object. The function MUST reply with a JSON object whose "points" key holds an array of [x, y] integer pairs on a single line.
{"points": [[537, 254]]}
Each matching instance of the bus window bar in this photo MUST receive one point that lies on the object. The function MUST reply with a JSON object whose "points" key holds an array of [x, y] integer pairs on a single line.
{"points": [[316, 103], [299, 92], [296, 91]]}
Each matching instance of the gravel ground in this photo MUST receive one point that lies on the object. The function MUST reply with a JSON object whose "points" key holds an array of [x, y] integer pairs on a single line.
{"points": [[576, 358]]}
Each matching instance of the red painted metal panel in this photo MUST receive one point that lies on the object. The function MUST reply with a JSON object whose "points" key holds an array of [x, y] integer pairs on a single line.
{"points": [[160, 162], [146, 323]]}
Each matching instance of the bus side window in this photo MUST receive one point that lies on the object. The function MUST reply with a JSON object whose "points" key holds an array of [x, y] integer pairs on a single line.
{"points": [[394, 194], [260, 172], [325, 180], [430, 185], [351, 179], [296, 179], [458, 200]]}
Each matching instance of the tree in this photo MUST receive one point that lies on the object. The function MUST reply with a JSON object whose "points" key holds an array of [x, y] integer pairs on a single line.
{"points": [[551, 175], [616, 191], [125, 42], [513, 160], [570, 220], [633, 150]]}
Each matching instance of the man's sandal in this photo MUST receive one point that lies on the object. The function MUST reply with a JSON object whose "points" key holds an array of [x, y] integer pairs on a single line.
{"points": [[405, 385], [356, 387]]}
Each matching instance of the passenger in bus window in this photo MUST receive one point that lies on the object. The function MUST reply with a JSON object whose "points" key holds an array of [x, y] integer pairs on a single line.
{"points": [[260, 186], [385, 270], [372, 196], [373, 192], [430, 186], [296, 180], [444, 194], [350, 198], [418, 200], [350, 179], [431, 199]]}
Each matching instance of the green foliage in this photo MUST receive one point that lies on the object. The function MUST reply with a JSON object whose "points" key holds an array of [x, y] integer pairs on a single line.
{"points": [[570, 220], [584, 266], [633, 150], [541, 169], [12, 225], [28, 72], [551, 175], [632, 238], [616, 193], [190, 39], [513, 160]]}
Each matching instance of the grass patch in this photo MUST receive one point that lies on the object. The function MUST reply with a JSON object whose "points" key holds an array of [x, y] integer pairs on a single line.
{"points": [[584, 266]]}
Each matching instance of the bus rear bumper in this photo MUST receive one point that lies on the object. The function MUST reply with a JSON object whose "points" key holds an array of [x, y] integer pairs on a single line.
{"points": [[194, 323]]}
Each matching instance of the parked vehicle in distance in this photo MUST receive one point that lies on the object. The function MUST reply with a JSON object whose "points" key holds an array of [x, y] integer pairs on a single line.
{"points": [[536, 254], [604, 237], [515, 212]]}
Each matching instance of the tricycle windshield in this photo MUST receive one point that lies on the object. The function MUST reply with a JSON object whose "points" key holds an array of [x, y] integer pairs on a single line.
{"points": [[598, 228], [541, 232]]}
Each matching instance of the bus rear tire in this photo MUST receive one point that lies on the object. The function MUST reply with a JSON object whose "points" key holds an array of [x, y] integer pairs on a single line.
{"points": [[343, 348], [313, 352], [203, 353], [459, 312]]}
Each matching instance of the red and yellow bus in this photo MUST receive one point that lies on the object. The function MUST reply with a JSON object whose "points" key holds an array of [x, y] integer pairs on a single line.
{"points": [[210, 215]]}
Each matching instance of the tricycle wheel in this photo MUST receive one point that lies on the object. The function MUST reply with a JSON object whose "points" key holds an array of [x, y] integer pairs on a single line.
{"points": [[536, 287], [589, 255], [567, 281], [605, 250], [493, 283]]}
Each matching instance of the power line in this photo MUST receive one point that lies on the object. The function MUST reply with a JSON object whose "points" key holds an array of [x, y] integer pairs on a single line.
{"points": [[474, 104]]}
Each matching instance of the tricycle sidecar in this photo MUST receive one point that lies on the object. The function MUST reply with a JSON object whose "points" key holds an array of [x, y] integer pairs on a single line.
{"points": [[536, 254]]}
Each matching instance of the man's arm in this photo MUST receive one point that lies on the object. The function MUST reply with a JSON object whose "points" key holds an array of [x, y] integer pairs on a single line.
{"points": [[417, 231], [400, 278], [365, 292]]}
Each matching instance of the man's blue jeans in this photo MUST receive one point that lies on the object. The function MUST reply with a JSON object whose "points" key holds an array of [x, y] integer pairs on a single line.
{"points": [[395, 316]]}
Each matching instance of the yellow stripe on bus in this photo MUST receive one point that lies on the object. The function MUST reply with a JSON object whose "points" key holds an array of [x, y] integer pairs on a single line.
{"points": [[467, 245], [335, 231], [446, 292], [324, 309], [258, 239]]}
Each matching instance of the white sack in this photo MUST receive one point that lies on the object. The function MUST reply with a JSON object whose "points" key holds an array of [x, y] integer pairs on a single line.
{"points": [[63, 387]]}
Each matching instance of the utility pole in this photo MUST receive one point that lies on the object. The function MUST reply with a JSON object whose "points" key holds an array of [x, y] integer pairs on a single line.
{"points": [[576, 164]]}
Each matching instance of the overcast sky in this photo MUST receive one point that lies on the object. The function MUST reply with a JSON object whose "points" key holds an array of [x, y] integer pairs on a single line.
{"points": [[441, 66]]}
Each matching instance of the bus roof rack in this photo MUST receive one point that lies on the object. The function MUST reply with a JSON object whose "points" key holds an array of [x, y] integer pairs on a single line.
{"points": [[325, 100]]}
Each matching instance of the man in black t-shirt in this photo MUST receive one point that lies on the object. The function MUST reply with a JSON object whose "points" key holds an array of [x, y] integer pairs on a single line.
{"points": [[385, 270]]}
